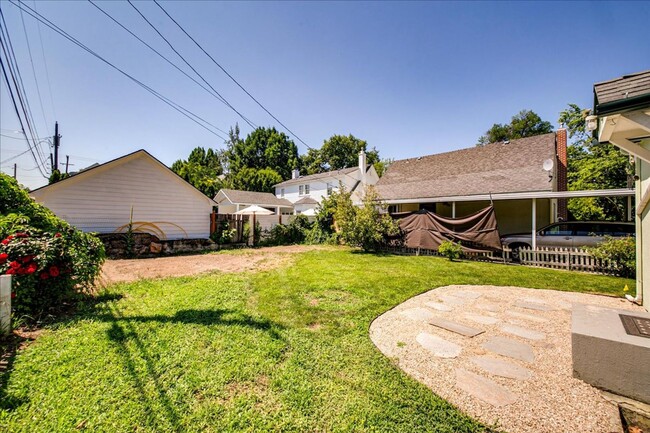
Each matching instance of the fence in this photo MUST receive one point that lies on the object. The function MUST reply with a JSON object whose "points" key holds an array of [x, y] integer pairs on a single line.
{"points": [[234, 222], [486, 255], [572, 259]]}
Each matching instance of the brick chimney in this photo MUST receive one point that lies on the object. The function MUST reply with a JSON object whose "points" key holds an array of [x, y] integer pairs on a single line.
{"points": [[561, 179]]}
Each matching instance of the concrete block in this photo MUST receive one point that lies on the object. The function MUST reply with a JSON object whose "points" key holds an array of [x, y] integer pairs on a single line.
{"points": [[605, 356]]}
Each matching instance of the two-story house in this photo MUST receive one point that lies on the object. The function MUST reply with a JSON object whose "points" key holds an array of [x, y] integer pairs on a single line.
{"points": [[306, 192]]}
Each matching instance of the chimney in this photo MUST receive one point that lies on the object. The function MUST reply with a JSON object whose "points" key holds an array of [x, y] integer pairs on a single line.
{"points": [[295, 173], [362, 166], [561, 177]]}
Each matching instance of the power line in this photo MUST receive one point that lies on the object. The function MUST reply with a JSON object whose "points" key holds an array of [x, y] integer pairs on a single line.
{"points": [[218, 97], [47, 72], [230, 76], [185, 112], [191, 67], [31, 60]]}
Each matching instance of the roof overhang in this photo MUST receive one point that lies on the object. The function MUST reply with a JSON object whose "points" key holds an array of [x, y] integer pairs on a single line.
{"points": [[627, 131], [621, 192]]}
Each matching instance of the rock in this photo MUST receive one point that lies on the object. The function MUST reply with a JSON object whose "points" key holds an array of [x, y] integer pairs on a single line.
{"points": [[438, 306], [501, 367], [155, 248], [438, 346], [510, 348], [451, 300], [523, 332], [483, 388], [458, 328]]}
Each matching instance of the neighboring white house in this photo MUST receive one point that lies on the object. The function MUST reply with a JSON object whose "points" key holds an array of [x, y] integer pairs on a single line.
{"points": [[100, 199], [233, 200], [306, 192]]}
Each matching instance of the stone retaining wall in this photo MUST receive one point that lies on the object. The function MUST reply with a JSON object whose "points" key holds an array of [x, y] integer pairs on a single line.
{"points": [[148, 245]]}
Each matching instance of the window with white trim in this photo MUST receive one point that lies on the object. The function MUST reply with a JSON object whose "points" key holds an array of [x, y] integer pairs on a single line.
{"points": [[282, 192], [307, 189], [301, 190]]}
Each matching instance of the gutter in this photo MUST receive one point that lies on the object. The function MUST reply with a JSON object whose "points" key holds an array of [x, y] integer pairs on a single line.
{"points": [[622, 105]]}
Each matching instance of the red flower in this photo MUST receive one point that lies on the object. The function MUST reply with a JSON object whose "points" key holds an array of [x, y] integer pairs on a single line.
{"points": [[14, 265], [32, 268], [10, 271], [5, 241], [54, 271], [58, 235], [22, 235], [44, 275], [27, 259], [3, 257], [13, 295]]}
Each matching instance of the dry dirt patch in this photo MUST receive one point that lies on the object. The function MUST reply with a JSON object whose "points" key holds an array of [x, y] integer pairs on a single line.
{"points": [[115, 271]]}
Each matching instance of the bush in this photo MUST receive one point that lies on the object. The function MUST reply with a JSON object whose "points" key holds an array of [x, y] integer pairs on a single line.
{"points": [[51, 262], [621, 252], [247, 232], [223, 234], [293, 233], [451, 250]]}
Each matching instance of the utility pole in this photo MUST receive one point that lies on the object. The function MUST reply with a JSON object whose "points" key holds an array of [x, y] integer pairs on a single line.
{"points": [[15, 169], [57, 143], [52, 161], [67, 162]]}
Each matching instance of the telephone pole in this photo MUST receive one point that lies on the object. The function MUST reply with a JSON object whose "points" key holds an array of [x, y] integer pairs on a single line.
{"points": [[15, 169], [67, 162], [57, 143]]}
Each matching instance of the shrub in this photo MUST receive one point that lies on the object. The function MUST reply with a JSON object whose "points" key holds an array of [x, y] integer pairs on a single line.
{"points": [[451, 250], [223, 234], [51, 262], [621, 252], [293, 233], [247, 232]]}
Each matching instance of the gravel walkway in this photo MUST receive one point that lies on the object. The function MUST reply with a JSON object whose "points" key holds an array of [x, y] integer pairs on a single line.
{"points": [[515, 371]]}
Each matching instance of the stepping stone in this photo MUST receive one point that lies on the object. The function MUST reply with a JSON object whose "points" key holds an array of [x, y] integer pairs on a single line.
{"points": [[483, 320], [527, 316], [483, 388], [458, 328], [438, 306], [438, 346], [488, 307], [451, 300], [466, 294], [421, 314], [534, 306], [502, 368], [523, 332], [510, 348]]}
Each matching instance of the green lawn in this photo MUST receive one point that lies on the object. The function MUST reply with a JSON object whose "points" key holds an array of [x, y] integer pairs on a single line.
{"points": [[282, 350]]}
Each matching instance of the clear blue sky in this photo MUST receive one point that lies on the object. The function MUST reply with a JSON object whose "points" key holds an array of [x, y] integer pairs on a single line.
{"points": [[410, 78]]}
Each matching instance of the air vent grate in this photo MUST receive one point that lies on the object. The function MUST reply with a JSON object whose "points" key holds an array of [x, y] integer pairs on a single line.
{"points": [[634, 325]]}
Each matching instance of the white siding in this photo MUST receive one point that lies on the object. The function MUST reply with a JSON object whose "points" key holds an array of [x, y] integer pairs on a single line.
{"points": [[101, 200]]}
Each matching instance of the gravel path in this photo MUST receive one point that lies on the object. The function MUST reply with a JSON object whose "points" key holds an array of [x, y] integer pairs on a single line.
{"points": [[115, 271], [516, 373]]}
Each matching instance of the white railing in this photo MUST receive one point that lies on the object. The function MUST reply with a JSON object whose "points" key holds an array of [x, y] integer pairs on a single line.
{"points": [[572, 259]]}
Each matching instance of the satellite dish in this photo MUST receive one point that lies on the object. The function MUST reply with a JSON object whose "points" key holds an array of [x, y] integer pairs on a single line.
{"points": [[548, 165]]}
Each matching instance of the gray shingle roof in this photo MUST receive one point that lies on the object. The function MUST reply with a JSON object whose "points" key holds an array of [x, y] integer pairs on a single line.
{"points": [[319, 176], [494, 168], [250, 197], [306, 200], [625, 87]]}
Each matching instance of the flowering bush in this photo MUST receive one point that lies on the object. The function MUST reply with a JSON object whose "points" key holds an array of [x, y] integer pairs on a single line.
{"points": [[51, 262]]}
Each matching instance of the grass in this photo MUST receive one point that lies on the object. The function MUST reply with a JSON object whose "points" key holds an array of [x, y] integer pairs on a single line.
{"points": [[280, 350]]}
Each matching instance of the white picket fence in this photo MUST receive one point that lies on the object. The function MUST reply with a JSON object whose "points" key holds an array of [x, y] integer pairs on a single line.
{"points": [[573, 259]]}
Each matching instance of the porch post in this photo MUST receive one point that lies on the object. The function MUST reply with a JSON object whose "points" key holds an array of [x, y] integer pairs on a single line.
{"points": [[534, 224], [237, 210], [629, 208], [453, 209]]}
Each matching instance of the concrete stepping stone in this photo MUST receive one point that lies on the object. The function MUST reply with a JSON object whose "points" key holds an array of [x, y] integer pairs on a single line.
{"points": [[523, 332], [438, 306], [452, 300], [510, 348], [466, 294], [438, 345], [488, 307], [483, 320], [527, 316], [501, 368], [534, 306], [458, 328], [420, 314], [483, 388]]}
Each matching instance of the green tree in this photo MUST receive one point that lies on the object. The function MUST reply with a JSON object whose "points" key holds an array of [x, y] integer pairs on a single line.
{"points": [[253, 179], [337, 152], [263, 149], [526, 123], [593, 165], [56, 176], [202, 170]]}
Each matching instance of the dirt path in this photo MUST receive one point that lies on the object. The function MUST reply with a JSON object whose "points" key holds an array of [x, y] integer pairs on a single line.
{"points": [[115, 271]]}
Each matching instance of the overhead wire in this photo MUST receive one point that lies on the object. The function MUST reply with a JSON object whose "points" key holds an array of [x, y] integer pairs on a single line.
{"points": [[225, 101], [31, 60], [47, 72], [229, 75], [218, 97], [185, 112]]}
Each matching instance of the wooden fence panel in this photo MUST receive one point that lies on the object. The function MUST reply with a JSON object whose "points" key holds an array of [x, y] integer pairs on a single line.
{"points": [[572, 259]]}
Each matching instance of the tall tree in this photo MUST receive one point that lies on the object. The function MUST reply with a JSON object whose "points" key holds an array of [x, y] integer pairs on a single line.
{"points": [[337, 152], [202, 170], [593, 165], [254, 179], [526, 123], [264, 148]]}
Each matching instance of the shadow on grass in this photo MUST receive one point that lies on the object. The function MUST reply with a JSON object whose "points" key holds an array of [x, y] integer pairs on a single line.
{"points": [[133, 351]]}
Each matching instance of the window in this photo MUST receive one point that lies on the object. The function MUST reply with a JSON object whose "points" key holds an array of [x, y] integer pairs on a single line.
{"points": [[282, 192], [306, 189], [329, 188], [301, 190], [558, 230]]}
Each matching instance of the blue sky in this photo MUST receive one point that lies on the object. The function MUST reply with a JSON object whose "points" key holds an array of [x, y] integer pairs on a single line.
{"points": [[410, 78]]}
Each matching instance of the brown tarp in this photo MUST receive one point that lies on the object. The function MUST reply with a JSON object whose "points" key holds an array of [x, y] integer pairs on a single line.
{"points": [[475, 233]]}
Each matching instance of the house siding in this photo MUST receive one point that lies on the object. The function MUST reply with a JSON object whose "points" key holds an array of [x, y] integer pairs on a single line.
{"points": [[101, 201]]}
